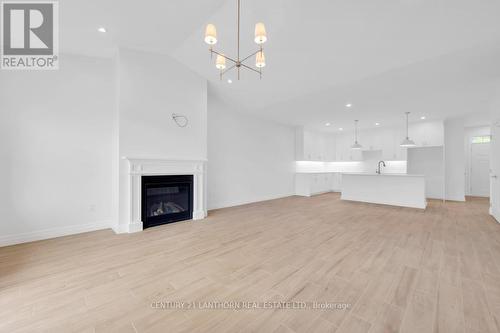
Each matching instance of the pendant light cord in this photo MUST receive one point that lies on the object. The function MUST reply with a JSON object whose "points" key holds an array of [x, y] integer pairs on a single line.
{"points": [[407, 136], [356, 131]]}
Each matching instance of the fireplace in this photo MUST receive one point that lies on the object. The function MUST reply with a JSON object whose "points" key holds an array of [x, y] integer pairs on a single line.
{"points": [[166, 199], [135, 173]]}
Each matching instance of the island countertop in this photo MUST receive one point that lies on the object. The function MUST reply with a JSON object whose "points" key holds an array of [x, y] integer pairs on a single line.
{"points": [[381, 174], [405, 190]]}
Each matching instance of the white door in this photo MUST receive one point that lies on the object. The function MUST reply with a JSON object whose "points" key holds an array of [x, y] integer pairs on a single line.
{"points": [[495, 170], [480, 170]]}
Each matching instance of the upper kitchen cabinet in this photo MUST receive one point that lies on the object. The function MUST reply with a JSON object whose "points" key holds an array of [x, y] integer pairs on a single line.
{"points": [[344, 152], [427, 134], [314, 146]]}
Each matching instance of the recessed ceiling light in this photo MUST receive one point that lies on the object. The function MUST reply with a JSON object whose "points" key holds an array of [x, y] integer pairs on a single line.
{"points": [[327, 124], [101, 29], [377, 124], [229, 81], [348, 105], [341, 129], [423, 117]]}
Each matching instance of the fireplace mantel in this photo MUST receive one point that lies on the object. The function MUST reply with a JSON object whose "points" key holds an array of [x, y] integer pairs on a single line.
{"points": [[130, 187]]}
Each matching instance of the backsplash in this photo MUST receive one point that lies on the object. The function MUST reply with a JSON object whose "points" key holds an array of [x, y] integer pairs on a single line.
{"points": [[360, 166]]}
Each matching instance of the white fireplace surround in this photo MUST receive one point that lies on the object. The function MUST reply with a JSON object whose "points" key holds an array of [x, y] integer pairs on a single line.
{"points": [[138, 167]]}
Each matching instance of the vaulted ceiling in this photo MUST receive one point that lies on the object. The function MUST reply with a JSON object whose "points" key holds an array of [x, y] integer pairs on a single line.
{"points": [[433, 58]]}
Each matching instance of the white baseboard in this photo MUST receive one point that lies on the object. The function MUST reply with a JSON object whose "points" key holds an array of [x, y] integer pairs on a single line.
{"points": [[135, 227], [124, 228], [199, 215], [120, 228], [246, 202], [52, 233], [494, 215]]}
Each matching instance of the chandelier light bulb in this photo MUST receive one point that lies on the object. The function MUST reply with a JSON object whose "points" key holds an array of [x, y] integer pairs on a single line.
{"points": [[260, 33], [210, 34], [220, 62], [226, 62], [260, 60]]}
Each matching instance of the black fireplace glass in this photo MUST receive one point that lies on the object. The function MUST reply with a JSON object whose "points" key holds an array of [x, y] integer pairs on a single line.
{"points": [[166, 199]]}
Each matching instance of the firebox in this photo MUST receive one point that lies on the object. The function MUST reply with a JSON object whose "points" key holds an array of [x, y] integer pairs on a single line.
{"points": [[166, 199]]}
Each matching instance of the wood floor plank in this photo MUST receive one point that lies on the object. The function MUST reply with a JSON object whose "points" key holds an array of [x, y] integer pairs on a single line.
{"points": [[449, 310], [389, 319], [397, 269], [478, 317], [404, 285], [419, 315]]}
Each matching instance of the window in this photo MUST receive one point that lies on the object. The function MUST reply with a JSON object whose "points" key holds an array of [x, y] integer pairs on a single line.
{"points": [[481, 139]]}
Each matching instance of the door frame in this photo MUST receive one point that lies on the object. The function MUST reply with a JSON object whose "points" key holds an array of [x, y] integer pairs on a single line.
{"points": [[495, 171], [470, 165]]}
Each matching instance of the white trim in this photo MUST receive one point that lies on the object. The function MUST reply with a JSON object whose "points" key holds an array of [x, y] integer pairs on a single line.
{"points": [[494, 214], [53, 233], [138, 167], [199, 215], [250, 201]]}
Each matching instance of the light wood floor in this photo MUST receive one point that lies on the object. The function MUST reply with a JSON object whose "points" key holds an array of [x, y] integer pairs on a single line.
{"points": [[400, 269]]}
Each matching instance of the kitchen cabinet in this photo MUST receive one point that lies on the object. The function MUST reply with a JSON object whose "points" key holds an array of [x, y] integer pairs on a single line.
{"points": [[336, 182], [317, 146], [344, 150], [314, 146], [307, 184]]}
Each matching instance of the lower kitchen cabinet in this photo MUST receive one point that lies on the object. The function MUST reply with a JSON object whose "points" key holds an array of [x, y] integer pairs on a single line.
{"points": [[307, 184]]}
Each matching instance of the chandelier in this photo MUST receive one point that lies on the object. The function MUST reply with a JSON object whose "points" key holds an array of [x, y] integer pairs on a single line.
{"points": [[237, 63]]}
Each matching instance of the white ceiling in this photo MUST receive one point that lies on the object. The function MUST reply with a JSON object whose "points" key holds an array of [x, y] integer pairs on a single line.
{"points": [[433, 58], [151, 25]]}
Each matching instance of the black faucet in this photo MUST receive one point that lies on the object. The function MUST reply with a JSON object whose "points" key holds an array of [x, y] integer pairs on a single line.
{"points": [[378, 169]]}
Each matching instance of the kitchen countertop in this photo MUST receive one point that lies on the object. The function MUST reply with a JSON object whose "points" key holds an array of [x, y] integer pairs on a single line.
{"points": [[382, 174]]}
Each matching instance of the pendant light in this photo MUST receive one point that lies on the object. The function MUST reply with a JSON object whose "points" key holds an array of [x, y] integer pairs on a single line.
{"points": [[220, 62], [210, 34], [356, 145], [260, 33], [407, 142]]}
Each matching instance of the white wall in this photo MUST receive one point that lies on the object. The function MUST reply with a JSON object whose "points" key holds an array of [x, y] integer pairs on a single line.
{"points": [[56, 149], [249, 159], [429, 161], [150, 88], [454, 159]]}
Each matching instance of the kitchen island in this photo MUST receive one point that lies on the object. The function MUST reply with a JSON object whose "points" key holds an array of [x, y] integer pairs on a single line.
{"points": [[387, 189]]}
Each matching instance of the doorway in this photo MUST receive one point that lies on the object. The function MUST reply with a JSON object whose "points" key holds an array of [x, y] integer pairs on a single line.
{"points": [[480, 166]]}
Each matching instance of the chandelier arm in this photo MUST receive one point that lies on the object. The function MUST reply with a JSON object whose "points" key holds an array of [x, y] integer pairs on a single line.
{"points": [[227, 69], [250, 68], [226, 57], [251, 55]]}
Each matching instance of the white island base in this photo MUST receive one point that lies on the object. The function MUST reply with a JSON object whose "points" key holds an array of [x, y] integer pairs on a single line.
{"points": [[387, 189]]}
